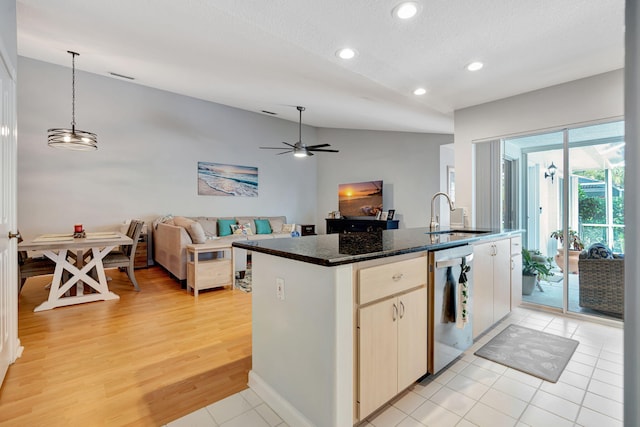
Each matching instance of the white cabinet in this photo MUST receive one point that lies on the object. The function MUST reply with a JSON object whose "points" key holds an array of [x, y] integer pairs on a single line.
{"points": [[516, 271], [491, 283], [391, 331]]}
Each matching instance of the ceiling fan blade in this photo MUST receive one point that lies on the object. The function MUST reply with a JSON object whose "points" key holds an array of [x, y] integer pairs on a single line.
{"points": [[322, 150], [273, 148], [318, 146], [285, 152], [290, 145]]}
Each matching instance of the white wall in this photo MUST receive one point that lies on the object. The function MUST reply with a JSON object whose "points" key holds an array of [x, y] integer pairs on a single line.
{"points": [[593, 98], [407, 163], [149, 144]]}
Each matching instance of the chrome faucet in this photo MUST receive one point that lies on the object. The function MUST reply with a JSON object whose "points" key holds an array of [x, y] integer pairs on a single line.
{"points": [[433, 225]]}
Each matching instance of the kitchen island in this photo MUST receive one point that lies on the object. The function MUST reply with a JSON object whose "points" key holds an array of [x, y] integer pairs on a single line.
{"points": [[306, 300]]}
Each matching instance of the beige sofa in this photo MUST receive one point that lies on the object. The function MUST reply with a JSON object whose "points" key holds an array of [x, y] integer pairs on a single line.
{"points": [[171, 235]]}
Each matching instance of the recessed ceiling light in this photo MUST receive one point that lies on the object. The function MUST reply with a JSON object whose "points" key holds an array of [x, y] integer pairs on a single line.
{"points": [[420, 91], [346, 53], [475, 66], [406, 10]]}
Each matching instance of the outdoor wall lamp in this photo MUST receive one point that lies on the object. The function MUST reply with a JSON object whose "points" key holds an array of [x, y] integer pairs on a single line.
{"points": [[551, 172]]}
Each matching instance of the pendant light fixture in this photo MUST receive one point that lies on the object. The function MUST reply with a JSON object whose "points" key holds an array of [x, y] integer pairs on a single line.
{"points": [[73, 139]]}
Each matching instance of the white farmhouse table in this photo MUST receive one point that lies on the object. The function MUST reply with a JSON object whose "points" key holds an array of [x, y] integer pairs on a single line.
{"points": [[77, 256]]}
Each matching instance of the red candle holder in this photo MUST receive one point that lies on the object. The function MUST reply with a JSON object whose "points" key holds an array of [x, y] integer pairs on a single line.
{"points": [[77, 228]]}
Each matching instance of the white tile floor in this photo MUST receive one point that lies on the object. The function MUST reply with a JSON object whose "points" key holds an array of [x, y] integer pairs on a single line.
{"points": [[476, 392]]}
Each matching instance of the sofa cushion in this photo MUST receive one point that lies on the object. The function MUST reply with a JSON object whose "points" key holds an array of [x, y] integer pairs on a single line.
{"points": [[247, 220], [194, 228], [167, 219], [262, 226], [276, 223], [224, 226], [209, 225], [288, 228], [599, 251], [244, 229]]}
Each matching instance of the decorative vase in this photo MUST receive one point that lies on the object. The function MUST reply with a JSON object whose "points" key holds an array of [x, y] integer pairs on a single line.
{"points": [[528, 283], [573, 260]]}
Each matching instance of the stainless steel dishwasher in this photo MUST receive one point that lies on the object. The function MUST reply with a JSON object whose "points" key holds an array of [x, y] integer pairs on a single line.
{"points": [[449, 336]]}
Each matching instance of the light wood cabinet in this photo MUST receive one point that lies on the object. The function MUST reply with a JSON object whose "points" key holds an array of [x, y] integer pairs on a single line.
{"points": [[213, 270], [491, 283], [391, 331], [412, 337], [378, 349]]}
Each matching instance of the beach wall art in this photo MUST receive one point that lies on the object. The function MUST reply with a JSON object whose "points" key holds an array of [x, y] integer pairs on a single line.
{"points": [[360, 199], [218, 179]]}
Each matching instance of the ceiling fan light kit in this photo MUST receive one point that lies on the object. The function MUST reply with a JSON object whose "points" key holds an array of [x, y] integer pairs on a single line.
{"points": [[72, 139], [299, 149]]}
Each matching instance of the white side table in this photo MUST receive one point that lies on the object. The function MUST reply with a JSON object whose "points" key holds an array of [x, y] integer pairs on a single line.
{"points": [[209, 273]]}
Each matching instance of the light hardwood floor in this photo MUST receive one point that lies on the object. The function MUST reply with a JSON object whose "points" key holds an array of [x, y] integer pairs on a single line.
{"points": [[144, 360]]}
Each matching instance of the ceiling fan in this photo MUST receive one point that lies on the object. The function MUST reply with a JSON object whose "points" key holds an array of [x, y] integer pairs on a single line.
{"points": [[299, 149]]}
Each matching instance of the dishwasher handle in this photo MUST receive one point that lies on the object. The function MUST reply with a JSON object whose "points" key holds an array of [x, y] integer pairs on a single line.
{"points": [[454, 261]]}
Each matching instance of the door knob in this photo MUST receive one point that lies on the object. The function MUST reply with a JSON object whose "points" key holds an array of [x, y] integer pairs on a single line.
{"points": [[14, 235]]}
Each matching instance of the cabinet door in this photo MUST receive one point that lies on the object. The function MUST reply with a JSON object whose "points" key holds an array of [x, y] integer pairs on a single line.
{"points": [[482, 292], [516, 280], [412, 337], [378, 357], [501, 279]]}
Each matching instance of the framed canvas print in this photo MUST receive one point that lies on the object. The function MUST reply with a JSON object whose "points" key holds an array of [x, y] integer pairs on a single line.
{"points": [[218, 179]]}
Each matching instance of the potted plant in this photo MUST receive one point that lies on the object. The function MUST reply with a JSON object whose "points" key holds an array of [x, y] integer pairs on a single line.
{"points": [[534, 267], [575, 246]]}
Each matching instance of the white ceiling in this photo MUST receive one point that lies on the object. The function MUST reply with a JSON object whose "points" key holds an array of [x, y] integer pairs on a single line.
{"points": [[275, 54]]}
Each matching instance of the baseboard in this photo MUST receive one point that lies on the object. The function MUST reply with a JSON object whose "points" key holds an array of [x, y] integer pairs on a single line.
{"points": [[279, 404]]}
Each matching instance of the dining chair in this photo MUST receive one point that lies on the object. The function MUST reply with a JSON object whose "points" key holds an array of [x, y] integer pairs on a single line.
{"points": [[123, 258], [32, 266]]}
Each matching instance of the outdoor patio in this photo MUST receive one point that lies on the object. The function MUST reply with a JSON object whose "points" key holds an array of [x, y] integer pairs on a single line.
{"points": [[551, 296]]}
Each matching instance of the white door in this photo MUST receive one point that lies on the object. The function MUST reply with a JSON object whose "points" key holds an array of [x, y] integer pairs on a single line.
{"points": [[9, 344]]}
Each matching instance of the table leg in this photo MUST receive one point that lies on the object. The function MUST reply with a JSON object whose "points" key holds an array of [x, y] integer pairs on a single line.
{"points": [[81, 275], [79, 262]]}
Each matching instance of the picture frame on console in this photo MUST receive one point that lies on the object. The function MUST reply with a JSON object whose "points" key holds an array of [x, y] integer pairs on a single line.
{"points": [[391, 214], [384, 216]]}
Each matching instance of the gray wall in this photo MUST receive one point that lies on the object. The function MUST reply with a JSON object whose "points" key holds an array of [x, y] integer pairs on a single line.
{"points": [[8, 33], [407, 163], [149, 144], [632, 217]]}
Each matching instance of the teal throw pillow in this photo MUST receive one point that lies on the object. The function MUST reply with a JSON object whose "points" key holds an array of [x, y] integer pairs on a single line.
{"points": [[262, 226], [224, 227]]}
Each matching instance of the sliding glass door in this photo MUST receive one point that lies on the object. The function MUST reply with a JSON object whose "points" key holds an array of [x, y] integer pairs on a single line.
{"points": [[571, 202]]}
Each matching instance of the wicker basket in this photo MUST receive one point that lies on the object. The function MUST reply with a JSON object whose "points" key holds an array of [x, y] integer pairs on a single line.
{"points": [[602, 284]]}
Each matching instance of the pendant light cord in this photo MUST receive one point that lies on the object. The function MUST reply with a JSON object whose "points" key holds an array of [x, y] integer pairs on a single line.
{"points": [[300, 128], [73, 89], [300, 109]]}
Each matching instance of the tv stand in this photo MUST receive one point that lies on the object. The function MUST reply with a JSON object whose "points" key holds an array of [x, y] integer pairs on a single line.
{"points": [[355, 225]]}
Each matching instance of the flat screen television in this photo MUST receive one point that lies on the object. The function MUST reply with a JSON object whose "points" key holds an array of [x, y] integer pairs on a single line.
{"points": [[360, 199]]}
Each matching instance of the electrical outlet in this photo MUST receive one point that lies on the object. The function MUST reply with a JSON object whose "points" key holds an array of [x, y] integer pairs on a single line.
{"points": [[280, 288]]}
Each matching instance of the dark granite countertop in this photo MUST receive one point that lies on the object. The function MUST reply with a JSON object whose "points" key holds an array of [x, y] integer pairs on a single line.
{"points": [[337, 249]]}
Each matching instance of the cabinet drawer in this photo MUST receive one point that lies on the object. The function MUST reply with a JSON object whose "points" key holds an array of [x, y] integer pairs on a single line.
{"points": [[388, 279], [516, 245], [210, 274]]}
